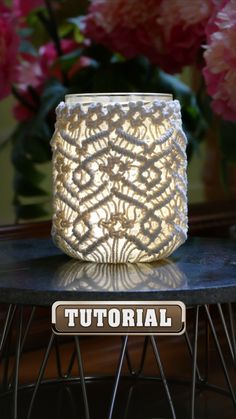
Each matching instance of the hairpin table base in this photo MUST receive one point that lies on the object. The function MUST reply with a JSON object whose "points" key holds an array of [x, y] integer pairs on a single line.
{"points": [[12, 389]]}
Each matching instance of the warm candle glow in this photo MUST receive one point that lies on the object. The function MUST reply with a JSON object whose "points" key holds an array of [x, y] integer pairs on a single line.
{"points": [[119, 168]]}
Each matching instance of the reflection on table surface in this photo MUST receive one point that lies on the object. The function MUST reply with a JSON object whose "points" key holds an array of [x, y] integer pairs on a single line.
{"points": [[34, 271], [75, 275]]}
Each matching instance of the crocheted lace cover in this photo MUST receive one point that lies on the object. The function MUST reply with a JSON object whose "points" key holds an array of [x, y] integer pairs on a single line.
{"points": [[119, 176]]}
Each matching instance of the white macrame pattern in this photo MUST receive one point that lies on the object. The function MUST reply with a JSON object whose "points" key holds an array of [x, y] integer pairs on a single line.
{"points": [[119, 175]]}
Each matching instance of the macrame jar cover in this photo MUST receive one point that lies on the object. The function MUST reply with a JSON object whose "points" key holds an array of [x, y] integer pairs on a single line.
{"points": [[119, 177]]}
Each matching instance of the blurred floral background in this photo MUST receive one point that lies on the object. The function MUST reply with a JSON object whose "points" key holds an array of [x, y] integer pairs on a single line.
{"points": [[52, 48]]}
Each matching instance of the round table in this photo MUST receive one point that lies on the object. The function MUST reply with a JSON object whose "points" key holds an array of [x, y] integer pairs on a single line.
{"points": [[200, 273], [35, 272]]}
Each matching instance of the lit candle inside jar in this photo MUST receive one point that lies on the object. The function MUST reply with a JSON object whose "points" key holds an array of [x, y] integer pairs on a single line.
{"points": [[119, 175]]}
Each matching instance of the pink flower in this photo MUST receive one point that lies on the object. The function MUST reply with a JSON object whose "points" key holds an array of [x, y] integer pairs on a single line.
{"points": [[169, 33], [35, 71], [9, 44], [129, 13], [24, 7], [220, 56], [120, 24], [48, 56], [188, 12], [10, 20], [29, 72], [22, 112]]}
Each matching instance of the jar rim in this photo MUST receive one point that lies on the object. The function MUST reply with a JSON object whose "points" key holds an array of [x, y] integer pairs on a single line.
{"points": [[110, 97]]}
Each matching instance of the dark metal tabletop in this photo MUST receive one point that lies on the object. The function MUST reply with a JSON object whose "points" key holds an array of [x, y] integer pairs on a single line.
{"points": [[35, 272]]}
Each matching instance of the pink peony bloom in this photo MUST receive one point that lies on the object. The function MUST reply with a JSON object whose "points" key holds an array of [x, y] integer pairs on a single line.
{"points": [[9, 44], [35, 71], [168, 33], [129, 13], [220, 56], [48, 56], [24, 7], [29, 72]]}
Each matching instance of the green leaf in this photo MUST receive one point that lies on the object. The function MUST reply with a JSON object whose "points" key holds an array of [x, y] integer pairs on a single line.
{"points": [[110, 78], [228, 141], [204, 103], [98, 53], [25, 32], [136, 72], [65, 29], [82, 82], [171, 84], [39, 151], [31, 141], [78, 36], [24, 187], [68, 60], [26, 47], [224, 173], [30, 211], [77, 21], [27, 169], [53, 93]]}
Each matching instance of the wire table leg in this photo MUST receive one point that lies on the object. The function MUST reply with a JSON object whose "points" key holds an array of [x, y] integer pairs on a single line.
{"points": [[31, 316], [82, 379], [128, 402], [14, 315], [6, 362], [131, 370], [163, 377], [72, 403], [226, 331], [232, 328], [41, 372], [23, 339], [218, 347], [207, 344], [195, 344], [190, 349], [18, 353], [58, 358], [7, 324], [137, 372], [118, 373], [71, 363], [5, 344], [143, 356]]}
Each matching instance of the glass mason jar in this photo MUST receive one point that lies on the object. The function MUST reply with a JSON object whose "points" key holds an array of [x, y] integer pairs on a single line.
{"points": [[119, 177]]}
